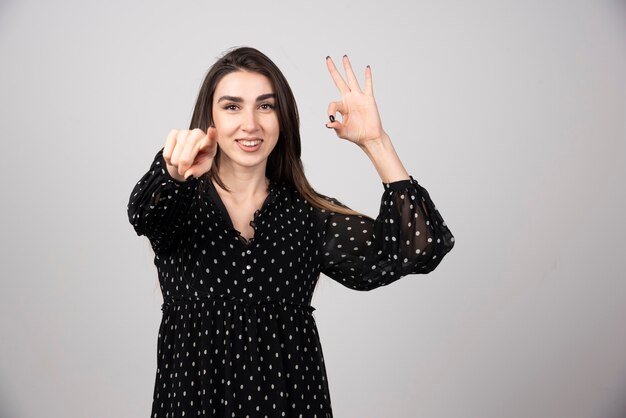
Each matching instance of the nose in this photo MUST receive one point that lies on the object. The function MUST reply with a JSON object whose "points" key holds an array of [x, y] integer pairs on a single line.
{"points": [[250, 122]]}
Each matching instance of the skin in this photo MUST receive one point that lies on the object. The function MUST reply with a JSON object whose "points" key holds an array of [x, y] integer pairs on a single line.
{"points": [[191, 152], [243, 110]]}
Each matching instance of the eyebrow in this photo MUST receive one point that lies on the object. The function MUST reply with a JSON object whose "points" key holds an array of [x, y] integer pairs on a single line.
{"points": [[239, 99]]}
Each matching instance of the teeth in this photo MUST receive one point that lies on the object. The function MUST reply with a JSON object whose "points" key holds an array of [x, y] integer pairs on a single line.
{"points": [[251, 143]]}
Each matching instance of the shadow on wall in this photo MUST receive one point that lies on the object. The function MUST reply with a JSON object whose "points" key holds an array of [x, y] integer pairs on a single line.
{"points": [[620, 404], [6, 408]]}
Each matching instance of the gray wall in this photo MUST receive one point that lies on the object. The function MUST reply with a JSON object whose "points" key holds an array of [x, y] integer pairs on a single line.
{"points": [[512, 114]]}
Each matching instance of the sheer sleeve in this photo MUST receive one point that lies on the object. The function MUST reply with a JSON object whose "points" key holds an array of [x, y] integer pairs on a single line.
{"points": [[408, 236], [158, 205]]}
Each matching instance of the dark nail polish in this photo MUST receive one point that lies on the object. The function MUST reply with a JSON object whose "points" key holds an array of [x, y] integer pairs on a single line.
{"points": [[345, 56], [332, 118], [328, 126], [327, 56]]}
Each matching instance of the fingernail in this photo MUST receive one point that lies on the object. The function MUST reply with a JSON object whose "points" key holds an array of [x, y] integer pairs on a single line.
{"points": [[328, 126], [345, 56], [327, 56], [332, 118], [369, 66]]}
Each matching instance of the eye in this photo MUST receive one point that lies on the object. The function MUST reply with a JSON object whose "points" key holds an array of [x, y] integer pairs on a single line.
{"points": [[231, 106], [266, 106]]}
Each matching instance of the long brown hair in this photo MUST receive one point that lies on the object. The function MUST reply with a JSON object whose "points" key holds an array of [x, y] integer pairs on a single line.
{"points": [[284, 163]]}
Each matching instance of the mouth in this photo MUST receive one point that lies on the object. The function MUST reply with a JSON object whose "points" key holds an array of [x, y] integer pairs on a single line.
{"points": [[249, 144]]}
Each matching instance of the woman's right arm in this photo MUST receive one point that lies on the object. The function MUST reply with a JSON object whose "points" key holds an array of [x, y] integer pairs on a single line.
{"points": [[160, 201], [158, 204]]}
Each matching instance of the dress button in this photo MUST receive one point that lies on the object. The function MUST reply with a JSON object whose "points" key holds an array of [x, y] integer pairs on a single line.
{"points": [[249, 279], [248, 252], [248, 267]]}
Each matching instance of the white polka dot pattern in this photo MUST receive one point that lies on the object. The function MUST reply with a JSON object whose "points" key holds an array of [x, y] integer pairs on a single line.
{"points": [[238, 337]]}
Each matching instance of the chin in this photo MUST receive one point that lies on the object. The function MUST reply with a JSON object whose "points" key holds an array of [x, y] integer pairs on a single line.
{"points": [[245, 161]]}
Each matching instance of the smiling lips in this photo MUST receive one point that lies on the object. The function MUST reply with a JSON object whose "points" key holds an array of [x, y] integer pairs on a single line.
{"points": [[249, 144]]}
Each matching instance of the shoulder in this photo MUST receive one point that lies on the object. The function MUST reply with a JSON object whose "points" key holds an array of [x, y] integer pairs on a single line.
{"points": [[316, 202], [287, 195], [290, 197]]}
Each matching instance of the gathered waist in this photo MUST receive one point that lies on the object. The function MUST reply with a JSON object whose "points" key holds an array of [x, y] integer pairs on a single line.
{"points": [[170, 301]]}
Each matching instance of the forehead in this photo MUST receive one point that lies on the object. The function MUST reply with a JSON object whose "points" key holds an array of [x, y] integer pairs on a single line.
{"points": [[244, 84]]}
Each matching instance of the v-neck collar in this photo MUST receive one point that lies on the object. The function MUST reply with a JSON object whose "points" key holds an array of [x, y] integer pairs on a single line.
{"points": [[225, 216]]}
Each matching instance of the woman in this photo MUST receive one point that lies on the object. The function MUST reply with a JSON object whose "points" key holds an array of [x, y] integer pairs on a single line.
{"points": [[240, 239]]}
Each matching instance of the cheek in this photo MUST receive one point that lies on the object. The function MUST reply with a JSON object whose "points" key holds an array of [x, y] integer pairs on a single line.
{"points": [[224, 132], [272, 123], [223, 125]]}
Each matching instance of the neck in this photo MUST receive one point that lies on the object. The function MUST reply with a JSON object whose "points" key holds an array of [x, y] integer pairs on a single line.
{"points": [[243, 182]]}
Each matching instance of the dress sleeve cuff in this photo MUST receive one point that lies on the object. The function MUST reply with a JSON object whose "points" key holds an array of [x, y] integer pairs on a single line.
{"points": [[400, 184]]}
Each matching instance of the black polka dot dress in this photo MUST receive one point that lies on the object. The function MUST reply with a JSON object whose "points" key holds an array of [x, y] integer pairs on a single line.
{"points": [[238, 336]]}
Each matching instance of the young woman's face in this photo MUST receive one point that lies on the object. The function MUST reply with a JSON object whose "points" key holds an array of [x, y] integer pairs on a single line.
{"points": [[245, 118]]}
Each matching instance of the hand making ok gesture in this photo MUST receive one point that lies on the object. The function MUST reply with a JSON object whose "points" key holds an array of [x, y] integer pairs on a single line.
{"points": [[360, 121]]}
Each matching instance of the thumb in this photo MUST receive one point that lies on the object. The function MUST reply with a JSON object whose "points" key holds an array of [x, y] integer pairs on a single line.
{"points": [[333, 108], [189, 173]]}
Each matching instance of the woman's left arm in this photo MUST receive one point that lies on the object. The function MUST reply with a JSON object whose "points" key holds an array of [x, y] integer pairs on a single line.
{"points": [[409, 235]]}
